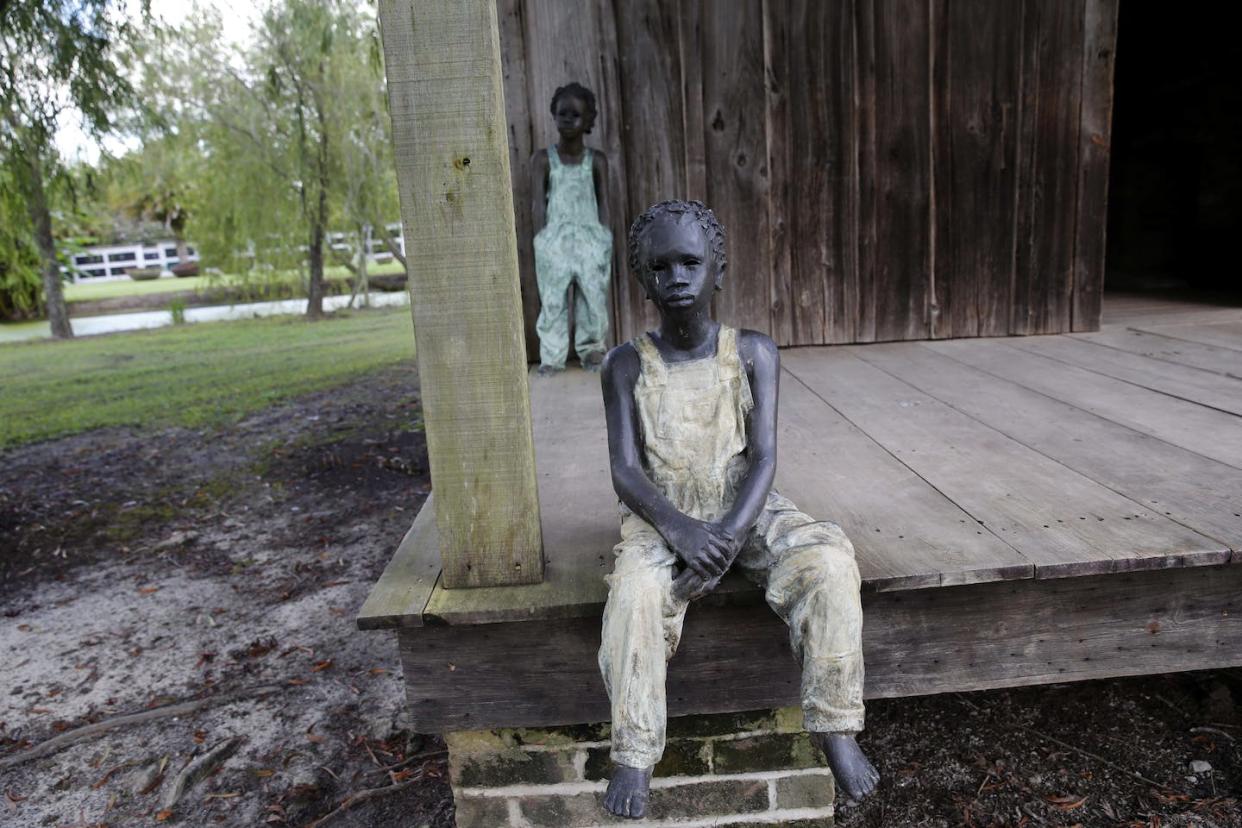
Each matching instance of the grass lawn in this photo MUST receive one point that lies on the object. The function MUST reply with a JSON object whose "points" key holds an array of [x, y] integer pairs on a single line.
{"points": [[88, 291], [189, 375]]}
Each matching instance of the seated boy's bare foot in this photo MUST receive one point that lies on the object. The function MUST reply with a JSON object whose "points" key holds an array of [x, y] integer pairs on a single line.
{"points": [[627, 792], [853, 772]]}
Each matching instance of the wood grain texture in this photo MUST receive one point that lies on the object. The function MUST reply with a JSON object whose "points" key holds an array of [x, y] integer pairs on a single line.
{"points": [[452, 158], [734, 107], [1211, 358], [1143, 310], [1165, 377], [777, 65], [894, 149], [1212, 434], [956, 639], [1099, 46], [690, 49], [1179, 484], [1048, 156], [1220, 334], [1061, 521], [975, 106], [509, 15], [823, 191], [401, 593], [833, 471], [896, 169], [653, 135]]}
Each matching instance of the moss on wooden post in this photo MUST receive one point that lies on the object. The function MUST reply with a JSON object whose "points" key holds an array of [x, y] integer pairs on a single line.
{"points": [[452, 158]]}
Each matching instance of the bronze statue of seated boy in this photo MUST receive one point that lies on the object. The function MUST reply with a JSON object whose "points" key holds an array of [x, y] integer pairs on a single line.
{"points": [[691, 411]]}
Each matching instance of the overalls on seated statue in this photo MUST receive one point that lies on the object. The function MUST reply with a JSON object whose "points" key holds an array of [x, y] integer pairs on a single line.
{"points": [[691, 413]]}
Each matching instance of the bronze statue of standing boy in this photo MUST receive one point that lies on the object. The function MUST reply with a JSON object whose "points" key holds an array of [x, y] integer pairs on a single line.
{"points": [[691, 411]]}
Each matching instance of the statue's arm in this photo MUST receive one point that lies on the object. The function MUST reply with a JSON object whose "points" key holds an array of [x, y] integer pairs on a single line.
{"points": [[599, 173], [538, 189], [701, 546], [762, 363]]}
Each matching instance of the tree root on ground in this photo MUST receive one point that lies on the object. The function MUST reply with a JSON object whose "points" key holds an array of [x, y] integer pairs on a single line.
{"points": [[70, 737], [364, 796]]}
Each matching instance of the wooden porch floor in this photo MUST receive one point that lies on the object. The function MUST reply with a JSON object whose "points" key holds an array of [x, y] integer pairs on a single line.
{"points": [[948, 463]]}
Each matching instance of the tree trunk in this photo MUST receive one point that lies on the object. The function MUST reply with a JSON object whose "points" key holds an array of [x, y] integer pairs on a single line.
{"points": [[177, 226], [314, 296], [319, 222], [393, 249], [41, 219], [364, 247]]}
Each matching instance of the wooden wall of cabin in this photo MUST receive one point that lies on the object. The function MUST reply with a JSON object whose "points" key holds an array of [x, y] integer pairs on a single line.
{"points": [[885, 169]]}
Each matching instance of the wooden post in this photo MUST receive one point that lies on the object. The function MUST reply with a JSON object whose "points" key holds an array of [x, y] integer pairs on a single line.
{"points": [[452, 158]]}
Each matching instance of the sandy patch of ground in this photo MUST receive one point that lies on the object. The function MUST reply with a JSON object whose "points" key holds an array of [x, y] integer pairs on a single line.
{"points": [[223, 569]]}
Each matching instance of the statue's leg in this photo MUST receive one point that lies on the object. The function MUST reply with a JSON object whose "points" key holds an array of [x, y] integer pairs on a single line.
{"points": [[813, 584], [642, 625], [553, 277], [591, 308]]}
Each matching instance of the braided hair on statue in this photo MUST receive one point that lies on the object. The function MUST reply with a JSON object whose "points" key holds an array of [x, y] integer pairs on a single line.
{"points": [[700, 213], [577, 90]]}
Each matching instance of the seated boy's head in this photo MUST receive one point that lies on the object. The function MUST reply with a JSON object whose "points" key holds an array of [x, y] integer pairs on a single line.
{"points": [[677, 252], [573, 107]]}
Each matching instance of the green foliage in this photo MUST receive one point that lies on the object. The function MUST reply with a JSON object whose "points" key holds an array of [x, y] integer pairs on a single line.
{"points": [[189, 375], [246, 140], [156, 184], [56, 55], [20, 295], [177, 309], [56, 58]]}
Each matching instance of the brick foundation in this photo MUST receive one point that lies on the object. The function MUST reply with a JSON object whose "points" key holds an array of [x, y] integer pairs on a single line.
{"points": [[742, 770]]}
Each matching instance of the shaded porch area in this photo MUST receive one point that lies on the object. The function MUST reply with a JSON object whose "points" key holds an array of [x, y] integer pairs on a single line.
{"points": [[1024, 510]]}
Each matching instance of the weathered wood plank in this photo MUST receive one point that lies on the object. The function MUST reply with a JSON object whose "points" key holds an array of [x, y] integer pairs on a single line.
{"points": [[780, 142], [975, 102], [1047, 166], [1095, 134], [1175, 380], [449, 135], [1186, 487], [655, 152], [1140, 312], [833, 471], [1061, 521], [894, 151], [1218, 360], [1204, 431], [1221, 334], [402, 591], [690, 48], [823, 190], [962, 638], [737, 158], [509, 15]]}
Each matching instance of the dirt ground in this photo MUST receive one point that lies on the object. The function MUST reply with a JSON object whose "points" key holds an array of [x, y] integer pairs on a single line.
{"points": [[178, 617]]}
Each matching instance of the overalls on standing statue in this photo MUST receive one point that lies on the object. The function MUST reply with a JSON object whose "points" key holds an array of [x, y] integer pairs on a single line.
{"points": [[691, 411], [574, 247]]}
